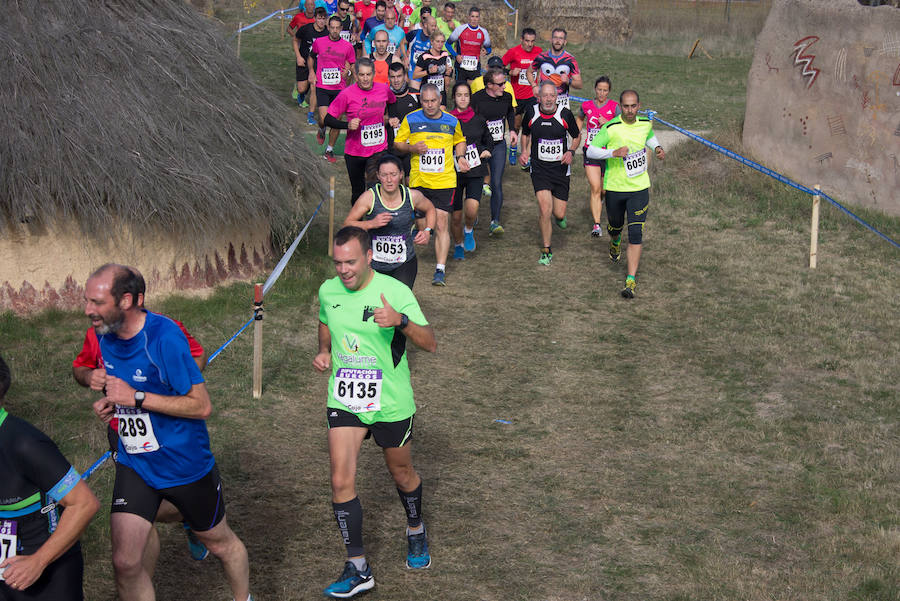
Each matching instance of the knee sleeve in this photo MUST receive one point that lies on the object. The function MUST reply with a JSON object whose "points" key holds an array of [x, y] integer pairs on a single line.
{"points": [[635, 232]]}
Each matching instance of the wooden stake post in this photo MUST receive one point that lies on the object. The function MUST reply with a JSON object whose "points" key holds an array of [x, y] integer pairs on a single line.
{"points": [[240, 27], [814, 231], [257, 340], [331, 217]]}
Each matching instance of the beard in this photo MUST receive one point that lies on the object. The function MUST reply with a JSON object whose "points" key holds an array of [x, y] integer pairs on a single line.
{"points": [[111, 325]]}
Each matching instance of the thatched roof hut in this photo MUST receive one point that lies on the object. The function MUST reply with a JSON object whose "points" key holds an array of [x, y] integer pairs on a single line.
{"points": [[585, 20], [131, 132]]}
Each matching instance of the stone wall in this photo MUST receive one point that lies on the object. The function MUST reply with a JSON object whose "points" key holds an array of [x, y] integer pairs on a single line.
{"points": [[823, 99]]}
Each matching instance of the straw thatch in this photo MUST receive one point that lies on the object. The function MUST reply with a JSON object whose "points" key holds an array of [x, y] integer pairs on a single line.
{"points": [[137, 113]]}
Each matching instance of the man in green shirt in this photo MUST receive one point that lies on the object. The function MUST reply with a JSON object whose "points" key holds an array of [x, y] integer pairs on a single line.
{"points": [[624, 141], [446, 22], [364, 320]]}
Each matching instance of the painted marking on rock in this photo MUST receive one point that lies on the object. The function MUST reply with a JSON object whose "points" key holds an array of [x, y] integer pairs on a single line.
{"points": [[769, 64], [896, 81], [891, 45], [822, 158], [840, 65], [800, 58], [836, 125]]}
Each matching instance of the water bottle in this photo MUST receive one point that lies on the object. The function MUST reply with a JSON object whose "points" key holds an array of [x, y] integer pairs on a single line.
{"points": [[513, 154]]}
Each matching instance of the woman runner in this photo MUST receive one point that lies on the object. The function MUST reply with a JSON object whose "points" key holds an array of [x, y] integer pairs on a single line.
{"points": [[388, 211], [593, 114], [436, 67], [479, 144]]}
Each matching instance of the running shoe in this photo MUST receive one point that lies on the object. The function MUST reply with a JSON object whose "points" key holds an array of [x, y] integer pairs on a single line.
{"points": [[526, 166], [417, 555], [458, 253], [329, 156], [320, 136], [438, 279], [295, 93], [545, 258], [596, 232], [614, 251], [628, 290], [562, 223], [305, 103], [198, 550], [469, 241], [311, 119], [495, 228], [486, 190], [350, 582]]}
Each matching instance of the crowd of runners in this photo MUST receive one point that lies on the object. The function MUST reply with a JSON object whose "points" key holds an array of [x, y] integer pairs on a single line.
{"points": [[431, 121], [409, 80]]}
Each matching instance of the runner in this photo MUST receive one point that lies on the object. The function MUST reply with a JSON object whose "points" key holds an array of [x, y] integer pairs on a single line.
{"points": [[40, 556], [369, 394], [396, 35], [496, 106], [447, 22], [364, 9], [374, 21], [349, 24], [472, 39], [89, 371], [479, 144], [406, 11], [381, 58], [434, 138], [396, 111], [436, 67], [623, 141], [556, 65], [518, 59], [303, 41], [156, 391], [364, 104], [592, 115], [388, 211], [307, 15], [415, 20], [417, 43], [329, 65], [546, 129]]}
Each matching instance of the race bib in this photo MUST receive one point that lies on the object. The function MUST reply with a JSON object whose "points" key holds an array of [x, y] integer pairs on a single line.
{"points": [[389, 249], [437, 80], [562, 100], [136, 430], [331, 76], [7, 542], [635, 163], [496, 129], [469, 63], [432, 161], [406, 22], [472, 156], [591, 133], [372, 134], [345, 35], [391, 48], [550, 150], [396, 131], [523, 78], [415, 57], [359, 390]]}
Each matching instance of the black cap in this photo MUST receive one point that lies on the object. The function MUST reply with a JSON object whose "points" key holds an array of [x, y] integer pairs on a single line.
{"points": [[495, 61]]}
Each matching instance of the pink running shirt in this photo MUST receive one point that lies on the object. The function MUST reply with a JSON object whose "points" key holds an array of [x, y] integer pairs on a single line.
{"points": [[369, 107], [331, 58], [595, 116]]}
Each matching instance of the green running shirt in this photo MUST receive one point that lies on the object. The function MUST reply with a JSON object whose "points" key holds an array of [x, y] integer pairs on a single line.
{"points": [[369, 371], [614, 134]]}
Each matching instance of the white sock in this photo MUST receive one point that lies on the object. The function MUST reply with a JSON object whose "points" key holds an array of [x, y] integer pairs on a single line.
{"points": [[440, 266], [468, 229], [329, 148]]}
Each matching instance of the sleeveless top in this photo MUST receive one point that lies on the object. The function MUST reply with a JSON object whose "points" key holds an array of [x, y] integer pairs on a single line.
{"points": [[392, 244]]}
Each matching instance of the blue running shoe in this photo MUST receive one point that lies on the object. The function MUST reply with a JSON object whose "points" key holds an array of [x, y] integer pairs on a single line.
{"points": [[458, 253], [198, 550], [417, 555], [469, 241], [311, 119], [351, 582], [438, 279]]}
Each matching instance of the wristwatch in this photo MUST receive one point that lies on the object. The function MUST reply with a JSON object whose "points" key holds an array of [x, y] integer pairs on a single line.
{"points": [[139, 396], [404, 321]]}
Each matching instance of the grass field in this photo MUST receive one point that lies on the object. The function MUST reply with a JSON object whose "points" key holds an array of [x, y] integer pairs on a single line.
{"points": [[731, 434]]}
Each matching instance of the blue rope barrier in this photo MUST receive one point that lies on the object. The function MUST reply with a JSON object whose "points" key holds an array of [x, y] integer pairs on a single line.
{"points": [[266, 18], [774, 175], [90, 471]]}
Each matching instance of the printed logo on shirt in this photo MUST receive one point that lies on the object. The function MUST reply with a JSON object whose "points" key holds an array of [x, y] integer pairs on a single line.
{"points": [[108, 365], [445, 128], [139, 376], [350, 343], [368, 312]]}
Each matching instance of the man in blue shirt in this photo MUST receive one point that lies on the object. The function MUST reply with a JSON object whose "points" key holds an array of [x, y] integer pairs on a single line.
{"points": [[156, 391]]}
